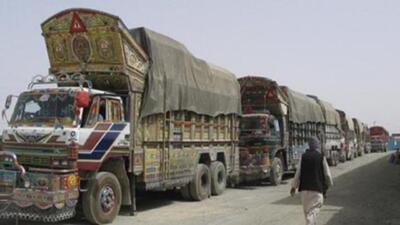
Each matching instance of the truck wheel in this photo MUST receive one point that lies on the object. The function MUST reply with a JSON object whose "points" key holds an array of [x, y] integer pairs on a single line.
{"points": [[276, 172], [330, 161], [201, 184], [102, 201], [342, 158], [336, 159], [185, 192], [218, 178], [350, 157]]}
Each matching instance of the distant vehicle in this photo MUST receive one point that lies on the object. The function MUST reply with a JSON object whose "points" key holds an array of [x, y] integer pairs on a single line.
{"points": [[366, 137], [360, 143], [331, 137], [264, 131], [276, 125], [259, 140], [349, 142], [394, 141], [379, 138]]}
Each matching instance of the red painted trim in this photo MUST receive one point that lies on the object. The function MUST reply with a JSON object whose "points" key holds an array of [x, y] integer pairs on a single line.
{"points": [[92, 141], [91, 166]]}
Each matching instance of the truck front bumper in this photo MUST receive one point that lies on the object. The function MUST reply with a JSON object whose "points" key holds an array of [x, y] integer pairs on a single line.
{"points": [[37, 205], [41, 194], [254, 172]]}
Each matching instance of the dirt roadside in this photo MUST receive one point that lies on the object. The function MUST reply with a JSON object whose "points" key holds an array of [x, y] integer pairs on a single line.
{"points": [[366, 191]]}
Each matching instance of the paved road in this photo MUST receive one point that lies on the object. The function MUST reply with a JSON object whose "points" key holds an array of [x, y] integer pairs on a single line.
{"points": [[366, 192]]}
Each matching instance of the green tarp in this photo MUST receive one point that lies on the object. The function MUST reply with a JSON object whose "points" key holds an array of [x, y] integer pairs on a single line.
{"points": [[302, 108], [331, 116], [179, 81]]}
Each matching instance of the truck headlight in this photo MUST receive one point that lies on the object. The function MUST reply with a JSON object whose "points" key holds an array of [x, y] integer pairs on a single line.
{"points": [[56, 162], [64, 162], [27, 184]]}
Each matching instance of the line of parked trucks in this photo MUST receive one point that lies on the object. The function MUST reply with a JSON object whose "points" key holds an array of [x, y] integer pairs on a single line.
{"points": [[131, 109]]}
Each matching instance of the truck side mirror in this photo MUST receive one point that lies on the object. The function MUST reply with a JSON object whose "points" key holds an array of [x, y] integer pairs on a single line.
{"points": [[8, 101]]}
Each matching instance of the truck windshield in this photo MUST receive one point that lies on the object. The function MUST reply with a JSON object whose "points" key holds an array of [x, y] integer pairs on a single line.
{"points": [[252, 123], [45, 109]]}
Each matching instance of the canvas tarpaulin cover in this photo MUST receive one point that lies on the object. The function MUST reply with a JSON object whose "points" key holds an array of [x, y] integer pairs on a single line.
{"points": [[302, 108], [350, 123], [177, 80], [331, 116]]}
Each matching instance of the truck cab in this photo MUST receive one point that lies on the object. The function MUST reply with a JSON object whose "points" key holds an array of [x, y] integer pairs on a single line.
{"points": [[55, 137], [259, 129], [379, 138], [259, 140]]}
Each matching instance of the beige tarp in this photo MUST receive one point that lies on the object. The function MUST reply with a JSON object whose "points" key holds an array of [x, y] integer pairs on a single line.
{"points": [[331, 116], [302, 108], [179, 81], [350, 123]]}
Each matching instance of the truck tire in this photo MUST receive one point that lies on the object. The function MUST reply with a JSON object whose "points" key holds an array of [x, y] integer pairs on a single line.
{"points": [[185, 192], [336, 159], [200, 187], [342, 157], [102, 201], [276, 172], [330, 161], [351, 156], [218, 178]]}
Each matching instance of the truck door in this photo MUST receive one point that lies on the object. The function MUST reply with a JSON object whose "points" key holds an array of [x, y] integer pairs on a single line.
{"points": [[97, 136]]}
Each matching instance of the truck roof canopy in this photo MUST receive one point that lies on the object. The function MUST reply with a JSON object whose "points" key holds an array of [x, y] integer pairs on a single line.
{"points": [[331, 116], [302, 108], [177, 80], [350, 123], [378, 130]]}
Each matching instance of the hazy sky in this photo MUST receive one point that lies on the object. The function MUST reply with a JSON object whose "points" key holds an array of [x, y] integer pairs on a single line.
{"points": [[345, 51]]}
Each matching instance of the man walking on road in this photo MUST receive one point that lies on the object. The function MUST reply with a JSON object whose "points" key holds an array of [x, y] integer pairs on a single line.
{"points": [[312, 179]]}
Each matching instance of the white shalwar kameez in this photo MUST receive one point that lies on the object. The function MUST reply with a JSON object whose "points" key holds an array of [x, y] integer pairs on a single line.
{"points": [[312, 200]]}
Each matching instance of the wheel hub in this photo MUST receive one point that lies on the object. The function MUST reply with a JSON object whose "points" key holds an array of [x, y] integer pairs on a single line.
{"points": [[278, 170], [107, 199]]}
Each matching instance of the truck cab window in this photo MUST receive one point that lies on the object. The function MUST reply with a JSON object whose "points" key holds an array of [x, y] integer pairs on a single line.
{"points": [[97, 112], [102, 111], [93, 113], [114, 110]]}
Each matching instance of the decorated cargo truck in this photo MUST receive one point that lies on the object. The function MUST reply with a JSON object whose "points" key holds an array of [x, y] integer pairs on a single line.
{"points": [[274, 129], [349, 143], [379, 138], [358, 129], [123, 110], [263, 137], [366, 138], [331, 131]]}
